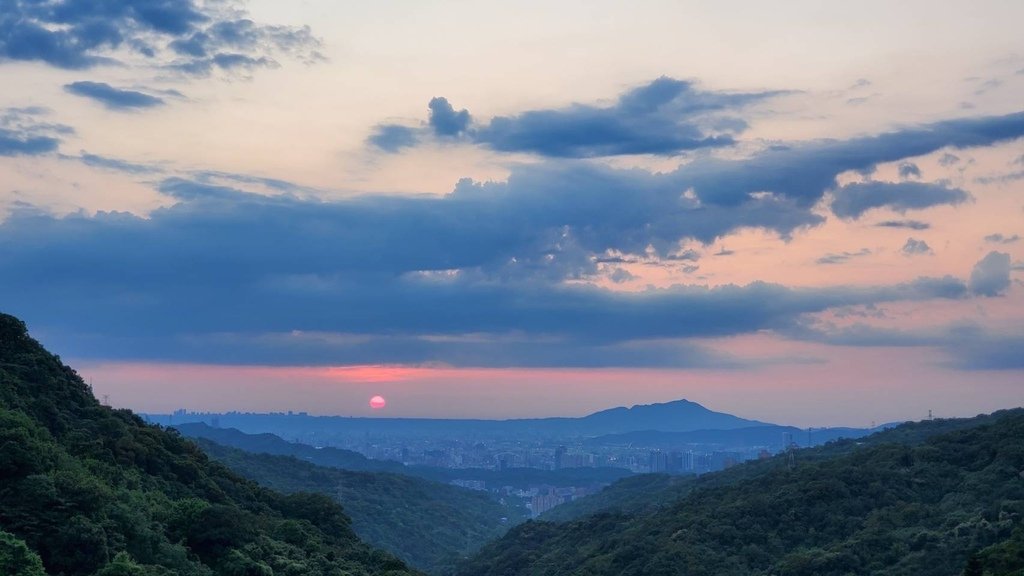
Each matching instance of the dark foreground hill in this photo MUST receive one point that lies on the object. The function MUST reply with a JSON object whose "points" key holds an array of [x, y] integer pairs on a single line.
{"points": [[427, 524], [87, 490], [903, 503]]}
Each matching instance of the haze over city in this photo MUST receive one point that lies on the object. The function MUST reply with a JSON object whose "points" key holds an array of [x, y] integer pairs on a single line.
{"points": [[810, 215]]}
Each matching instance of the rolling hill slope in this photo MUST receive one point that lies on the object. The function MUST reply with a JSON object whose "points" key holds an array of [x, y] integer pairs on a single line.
{"points": [[905, 503], [87, 490], [427, 524]]}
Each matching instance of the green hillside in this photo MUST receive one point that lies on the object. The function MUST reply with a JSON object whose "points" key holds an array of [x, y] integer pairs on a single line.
{"points": [[427, 524], [646, 493], [901, 503], [87, 490], [633, 495]]}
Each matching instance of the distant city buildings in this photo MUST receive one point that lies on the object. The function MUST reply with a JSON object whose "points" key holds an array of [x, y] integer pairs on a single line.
{"points": [[453, 451]]}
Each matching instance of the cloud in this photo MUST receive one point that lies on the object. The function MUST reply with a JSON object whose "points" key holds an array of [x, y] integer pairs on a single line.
{"points": [[185, 34], [113, 98], [993, 352], [1001, 178], [968, 346], [948, 159], [222, 273], [664, 117], [393, 137], [909, 170], [991, 275], [23, 133], [988, 86], [803, 172], [908, 224], [227, 275], [17, 144], [1001, 239], [915, 247], [853, 200], [106, 163], [444, 120], [842, 257], [620, 275]]}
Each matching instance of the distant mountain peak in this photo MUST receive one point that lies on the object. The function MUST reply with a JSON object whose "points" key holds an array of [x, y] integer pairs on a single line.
{"points": [[675, 416]]}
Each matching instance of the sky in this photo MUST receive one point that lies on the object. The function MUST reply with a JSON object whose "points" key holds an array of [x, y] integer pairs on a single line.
{"points": [[808, 212]]}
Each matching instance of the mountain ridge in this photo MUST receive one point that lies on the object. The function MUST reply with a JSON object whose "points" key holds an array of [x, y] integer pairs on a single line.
{"points": [[674, 416]]}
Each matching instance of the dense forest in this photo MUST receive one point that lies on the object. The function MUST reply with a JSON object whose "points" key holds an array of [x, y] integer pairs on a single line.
{"points": [[86, 490], [427, 524], [633, 495], [934, 498], [649, 492]]}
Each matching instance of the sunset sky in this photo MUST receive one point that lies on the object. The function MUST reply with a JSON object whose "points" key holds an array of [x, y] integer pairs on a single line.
{"points": [[805, 212]]}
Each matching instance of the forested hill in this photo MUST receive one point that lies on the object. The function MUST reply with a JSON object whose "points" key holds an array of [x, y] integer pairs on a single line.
{"points": [[427, 524], [900, 504], [87, 490], [650, 492]]}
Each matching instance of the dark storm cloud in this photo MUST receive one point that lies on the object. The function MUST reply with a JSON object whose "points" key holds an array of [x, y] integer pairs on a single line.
{"points": [[664, 117], [190, 36], [853, 200], [487, 263], [492, 352], [222, 262], [991, 275], [908, 224], [113, 98]]}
